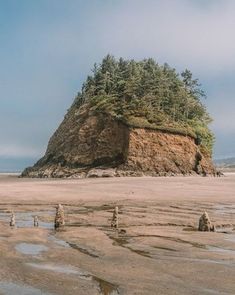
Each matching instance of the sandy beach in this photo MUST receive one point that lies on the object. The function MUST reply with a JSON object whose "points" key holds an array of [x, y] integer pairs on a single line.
{"points": [[157, 249]]}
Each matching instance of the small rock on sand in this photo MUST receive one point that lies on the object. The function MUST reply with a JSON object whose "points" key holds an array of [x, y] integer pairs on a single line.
{"points": [[205, 224]]}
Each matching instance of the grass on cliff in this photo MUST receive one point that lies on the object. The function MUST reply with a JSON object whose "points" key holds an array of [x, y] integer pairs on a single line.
{"points": [[148, 95]]}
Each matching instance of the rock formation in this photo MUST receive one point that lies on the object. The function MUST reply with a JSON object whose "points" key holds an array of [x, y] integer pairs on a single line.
{"points": [[114, 222], [35, 221], [93, 145], [117, 128], [205, 223], [59, 217], [13, 219]]}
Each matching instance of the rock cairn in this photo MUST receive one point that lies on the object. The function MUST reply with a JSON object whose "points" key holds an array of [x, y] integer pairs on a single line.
{"points": [[59, 217], [13, 219], [114, 222], [35, 221], [205, 224]]}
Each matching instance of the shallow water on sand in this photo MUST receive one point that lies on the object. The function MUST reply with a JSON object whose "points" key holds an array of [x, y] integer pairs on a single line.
{"points": [[30, 249], [66, 269], [106, 288], [159, 246], [25, 219], [9, 288]]}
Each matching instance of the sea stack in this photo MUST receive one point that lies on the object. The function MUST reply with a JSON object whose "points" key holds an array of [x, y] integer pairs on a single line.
{"points": [[117, 128], [205, 224], [59, 217]]}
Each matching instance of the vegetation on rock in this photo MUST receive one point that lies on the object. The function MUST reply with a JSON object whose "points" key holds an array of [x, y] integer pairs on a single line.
{"points": [[148, 95]]}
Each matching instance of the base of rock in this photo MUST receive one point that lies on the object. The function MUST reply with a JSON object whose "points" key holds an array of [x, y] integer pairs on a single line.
{"points": [[92, 145], [53, 172]]}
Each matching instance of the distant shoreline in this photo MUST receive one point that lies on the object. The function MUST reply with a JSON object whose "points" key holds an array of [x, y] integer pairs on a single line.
{"points": [[9, 173], [226, 170]]}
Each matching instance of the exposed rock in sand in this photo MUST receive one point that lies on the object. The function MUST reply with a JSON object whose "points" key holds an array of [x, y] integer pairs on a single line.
{"points": [[114, 222], [59, 218], [35, 221], [205, 223], [13, 219]]}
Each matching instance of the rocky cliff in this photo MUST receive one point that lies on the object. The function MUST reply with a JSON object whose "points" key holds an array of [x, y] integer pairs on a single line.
{"points": [[132, 118], [91, 144]]}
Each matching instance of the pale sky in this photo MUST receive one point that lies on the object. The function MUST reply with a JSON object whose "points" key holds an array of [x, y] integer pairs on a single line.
{"points": [[48, 47]]}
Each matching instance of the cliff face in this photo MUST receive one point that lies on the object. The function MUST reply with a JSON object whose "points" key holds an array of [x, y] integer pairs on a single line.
{"points": [[161, 153], [92, 145]]}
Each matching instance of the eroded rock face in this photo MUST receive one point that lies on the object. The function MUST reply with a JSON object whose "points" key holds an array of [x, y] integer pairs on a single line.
{"points": [[205, 224], [87, 144], [153, 152]]}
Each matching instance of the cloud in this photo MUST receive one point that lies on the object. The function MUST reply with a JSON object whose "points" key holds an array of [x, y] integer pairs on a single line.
{"points": [[185, 33], [15, 151], [196, 34], [49, 47], [177, 31], [223, 113]]}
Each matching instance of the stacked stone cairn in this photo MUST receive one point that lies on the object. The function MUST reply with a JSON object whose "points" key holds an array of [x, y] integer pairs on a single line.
{"points": [[205, 224], [35, 221], [114, 222], [59, 217], [13, 219]]}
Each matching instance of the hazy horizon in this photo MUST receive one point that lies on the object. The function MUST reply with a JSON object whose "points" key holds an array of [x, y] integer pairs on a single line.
{"points": [[49, 47]]}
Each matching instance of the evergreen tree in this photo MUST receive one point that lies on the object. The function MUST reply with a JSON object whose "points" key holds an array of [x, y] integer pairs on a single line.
{"points": [[146, 94]]}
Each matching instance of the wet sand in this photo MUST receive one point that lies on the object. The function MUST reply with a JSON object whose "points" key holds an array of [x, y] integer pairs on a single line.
{"points": [[158, 250]]}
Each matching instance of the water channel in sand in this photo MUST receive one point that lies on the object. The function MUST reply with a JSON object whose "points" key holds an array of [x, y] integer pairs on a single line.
{"points": [[24, 220]]}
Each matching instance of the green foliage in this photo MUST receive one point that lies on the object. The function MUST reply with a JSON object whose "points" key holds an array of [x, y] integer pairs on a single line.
{"points": [[146, 94]]}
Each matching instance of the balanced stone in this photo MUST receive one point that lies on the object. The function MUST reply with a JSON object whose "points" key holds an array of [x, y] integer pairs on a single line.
{"points": [[59, 218], [205, 224], [13, 219], [114, 222], [35, 221]]}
